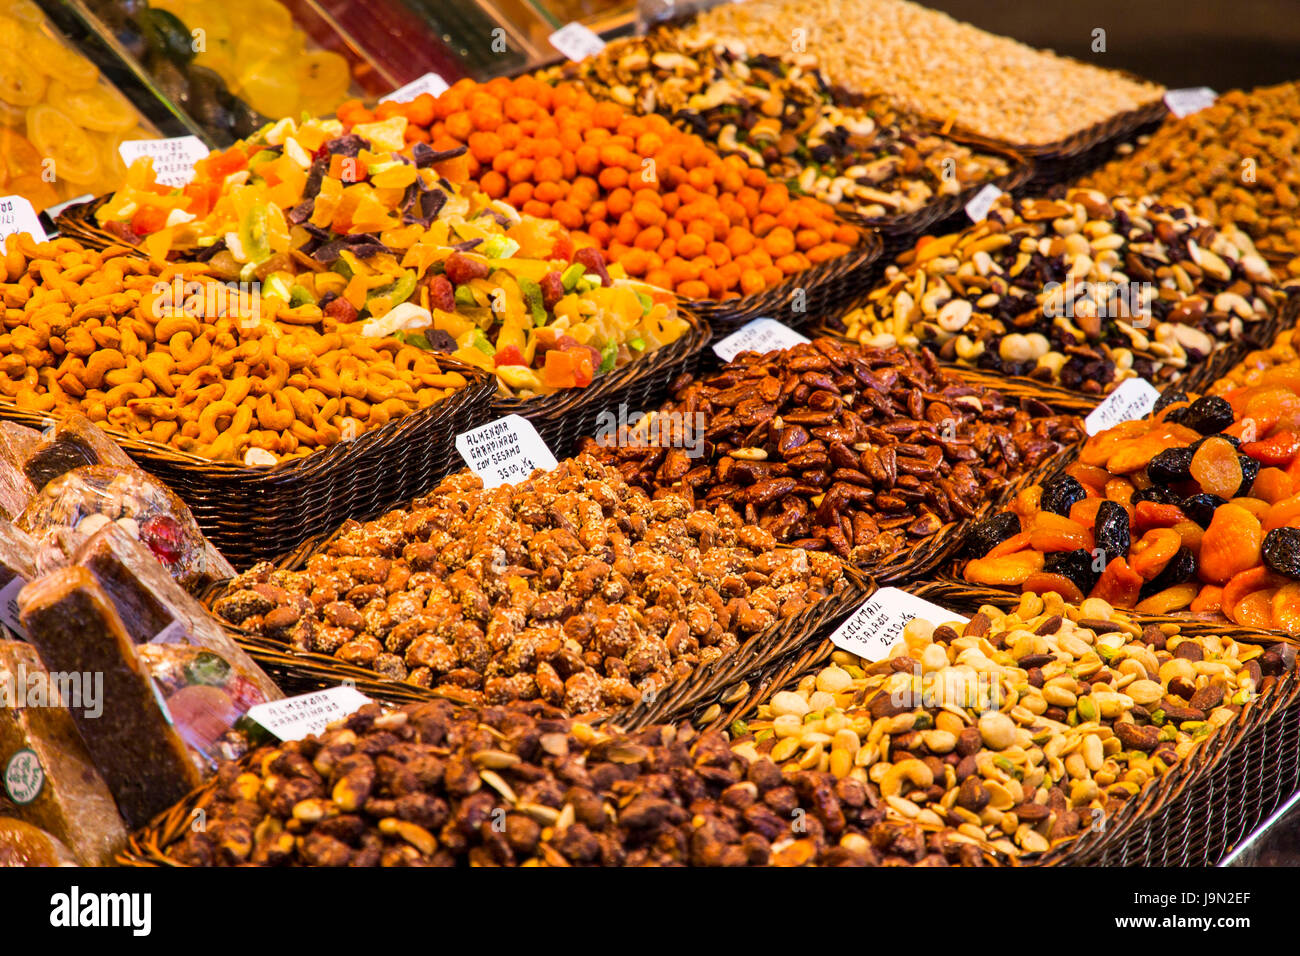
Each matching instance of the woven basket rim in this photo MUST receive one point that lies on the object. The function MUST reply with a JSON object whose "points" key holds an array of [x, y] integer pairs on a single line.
{"points": [[1118, 126]]}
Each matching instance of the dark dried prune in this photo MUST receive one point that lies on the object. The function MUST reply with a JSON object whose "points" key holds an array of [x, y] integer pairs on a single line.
{"points": [[1208, 414], [1078, 566], [1156, 494], [1171, 466], [1060, 494], [989, 534], [1201, 508], [1249, 472], [1282, 551], [1180, 569], [1111, 530], [1170, 396]]}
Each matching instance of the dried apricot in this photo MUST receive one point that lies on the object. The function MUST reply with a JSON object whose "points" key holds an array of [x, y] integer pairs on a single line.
{"points": [[1244, 582], [1216, 469], [1254, 610], [1088, 476], [1272, 485], [1283, 513], [1151, 514], [1279, 448], [1011, 569], [1017, 542], [1153, 551], [1045, 582], [1169, 600], [1191, 533], [1208, 601], [1051, 532], [1119, 489], [1231, 544], [1286, 609]]}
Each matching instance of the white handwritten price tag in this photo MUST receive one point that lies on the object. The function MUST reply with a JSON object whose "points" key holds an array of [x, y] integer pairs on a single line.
{"points": [[504, 452], [576, 41], [9, 606], [878, 625], [1134, 398], [980, 204], [297, 717], [1191, 100], [761, 335], [430, 83], [173, 159], [17, 215]]}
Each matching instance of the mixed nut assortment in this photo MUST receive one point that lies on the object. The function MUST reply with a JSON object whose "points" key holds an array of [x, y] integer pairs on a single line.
{"points": [[1083, 291], [1194, 508], [1234, 162], [572, 588], [437, 784], [858, 152], [834, 447], [1022, 729], [105, 333], [934, 65]]}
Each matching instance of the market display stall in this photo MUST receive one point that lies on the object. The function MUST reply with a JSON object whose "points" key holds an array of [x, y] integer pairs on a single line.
{"points": [[704, 450]]}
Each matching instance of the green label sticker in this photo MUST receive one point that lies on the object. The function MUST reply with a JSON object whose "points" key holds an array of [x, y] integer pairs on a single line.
{"points": [[24, 777]]}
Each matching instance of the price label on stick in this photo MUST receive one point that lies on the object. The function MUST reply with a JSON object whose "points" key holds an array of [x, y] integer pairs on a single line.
{"points": [[173, 159], [297, 717], [1134, 398], [980, 204], [17, 215], [9, 606], [761, 335], [878, 624], [504, 452], [576, 41], [430, 83], [1191, 100]]}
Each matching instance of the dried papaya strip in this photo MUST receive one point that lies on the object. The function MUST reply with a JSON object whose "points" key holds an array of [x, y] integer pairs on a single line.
{"points": [[1119, 585], [1169, 600], [1017, 542], [1279, 448], [1043, 582], [1152, 514], [1153, 551]]}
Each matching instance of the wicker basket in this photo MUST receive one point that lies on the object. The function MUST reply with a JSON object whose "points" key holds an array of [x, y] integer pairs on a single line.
{"points": [[1190, 817], [1068, 159], [564, 418], [254, 514], [946, 214]]}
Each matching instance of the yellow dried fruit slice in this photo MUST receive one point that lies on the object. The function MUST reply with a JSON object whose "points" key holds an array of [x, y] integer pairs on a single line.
{"points": [[324, 75], [20, 83], [24, 10], [20, 157], [59, 138], [99, 108], [270, 87]]}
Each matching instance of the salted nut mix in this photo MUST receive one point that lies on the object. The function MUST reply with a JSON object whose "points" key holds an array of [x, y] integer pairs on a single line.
{"points": [[437, 784], [572, 588], [1081, 291], [159, 352], [1234, 162], [1024, 729], [829, 446], [934, 65], [783, 115]]}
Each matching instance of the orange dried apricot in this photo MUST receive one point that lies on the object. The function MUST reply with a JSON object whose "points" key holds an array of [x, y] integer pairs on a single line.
{"points": [[1208, 601], [1231, 544], [1119, 585], [1286, 608], [1169, 600], [1011, 569], [1272, 485], [1119, 489], [1254, 610], [1044, 582], [1017, 542], [1216, 468], [1149, 555], [1052, 532]]}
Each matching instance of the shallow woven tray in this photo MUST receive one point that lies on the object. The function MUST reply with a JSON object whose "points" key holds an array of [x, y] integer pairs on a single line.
{"points": [[564, 418], [1072, 157], [946, 214], [254, 514], [1190, 817]]}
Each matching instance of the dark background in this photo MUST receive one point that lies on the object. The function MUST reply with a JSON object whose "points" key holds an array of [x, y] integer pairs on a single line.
{"points": [[1218, 43]]}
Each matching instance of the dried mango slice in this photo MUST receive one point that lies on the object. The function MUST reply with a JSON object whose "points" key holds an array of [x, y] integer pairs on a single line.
{"points": [[324, 75], [21, 84]]}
